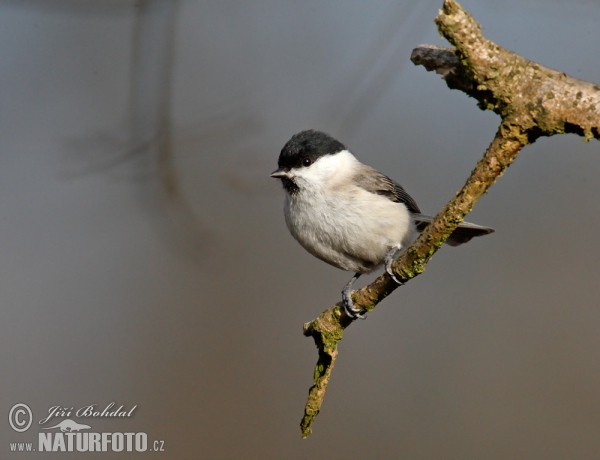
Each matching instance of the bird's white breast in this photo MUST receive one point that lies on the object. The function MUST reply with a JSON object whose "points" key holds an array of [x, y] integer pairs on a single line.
{"points": [[339, 222]]}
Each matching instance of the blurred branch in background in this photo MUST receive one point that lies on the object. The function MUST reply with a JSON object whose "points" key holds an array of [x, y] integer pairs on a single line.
{"points": [[148, 145], [151, 121], [532, 101]]}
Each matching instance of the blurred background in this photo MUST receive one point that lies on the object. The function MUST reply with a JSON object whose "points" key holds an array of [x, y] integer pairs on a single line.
{"points": [[146, 260]]}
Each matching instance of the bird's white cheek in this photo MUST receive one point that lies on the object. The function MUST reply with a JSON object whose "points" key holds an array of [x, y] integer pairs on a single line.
{"points": [[327, 169]]}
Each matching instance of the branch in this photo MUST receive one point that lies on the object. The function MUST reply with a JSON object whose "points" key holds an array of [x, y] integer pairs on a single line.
{"points": [[539, 100], [532, 101]]}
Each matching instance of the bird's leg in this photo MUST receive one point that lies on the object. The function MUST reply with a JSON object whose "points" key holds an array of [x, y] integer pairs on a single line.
{"points": [[389, 258], [349, 307]]}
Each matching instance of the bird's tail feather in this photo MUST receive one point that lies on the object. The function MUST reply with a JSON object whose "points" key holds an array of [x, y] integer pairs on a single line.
{"points": [[463, 233]]}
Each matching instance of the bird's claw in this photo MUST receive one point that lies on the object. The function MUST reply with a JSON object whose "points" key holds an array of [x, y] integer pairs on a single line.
{"points": [[389, 259], [349, 307], [389, 271]]}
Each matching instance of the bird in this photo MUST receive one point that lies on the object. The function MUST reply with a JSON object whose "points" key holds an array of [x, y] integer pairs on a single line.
{"points": [[347, 213]]}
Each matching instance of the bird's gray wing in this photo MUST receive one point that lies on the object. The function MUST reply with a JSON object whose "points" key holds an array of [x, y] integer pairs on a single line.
{"points": [[373, 181]]}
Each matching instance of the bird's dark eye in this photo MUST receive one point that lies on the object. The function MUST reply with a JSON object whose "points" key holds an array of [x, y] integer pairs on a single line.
{"points": [[306, 162]]}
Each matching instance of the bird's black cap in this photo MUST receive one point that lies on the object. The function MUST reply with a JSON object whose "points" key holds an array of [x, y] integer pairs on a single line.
{"points": [[310, 145]]}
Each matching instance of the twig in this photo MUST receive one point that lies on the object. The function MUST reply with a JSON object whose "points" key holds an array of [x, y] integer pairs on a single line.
{"points": [[532, 101]]}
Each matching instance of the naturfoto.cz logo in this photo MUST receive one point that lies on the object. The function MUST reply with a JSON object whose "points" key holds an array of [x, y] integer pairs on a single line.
{"points": [[73, 436]]}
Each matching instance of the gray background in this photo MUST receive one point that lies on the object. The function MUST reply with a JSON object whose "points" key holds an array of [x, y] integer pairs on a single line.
{"points": [[145, 259]]}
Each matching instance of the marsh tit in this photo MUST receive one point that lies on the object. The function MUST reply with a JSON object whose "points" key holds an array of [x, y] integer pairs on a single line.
{"points": [[347, 213]]}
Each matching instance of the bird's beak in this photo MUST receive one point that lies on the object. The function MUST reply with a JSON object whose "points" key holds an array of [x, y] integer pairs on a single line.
{"points": [[280, 173]]}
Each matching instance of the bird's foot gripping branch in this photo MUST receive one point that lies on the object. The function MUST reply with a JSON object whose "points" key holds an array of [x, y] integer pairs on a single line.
{"points": [[532, 101]]}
